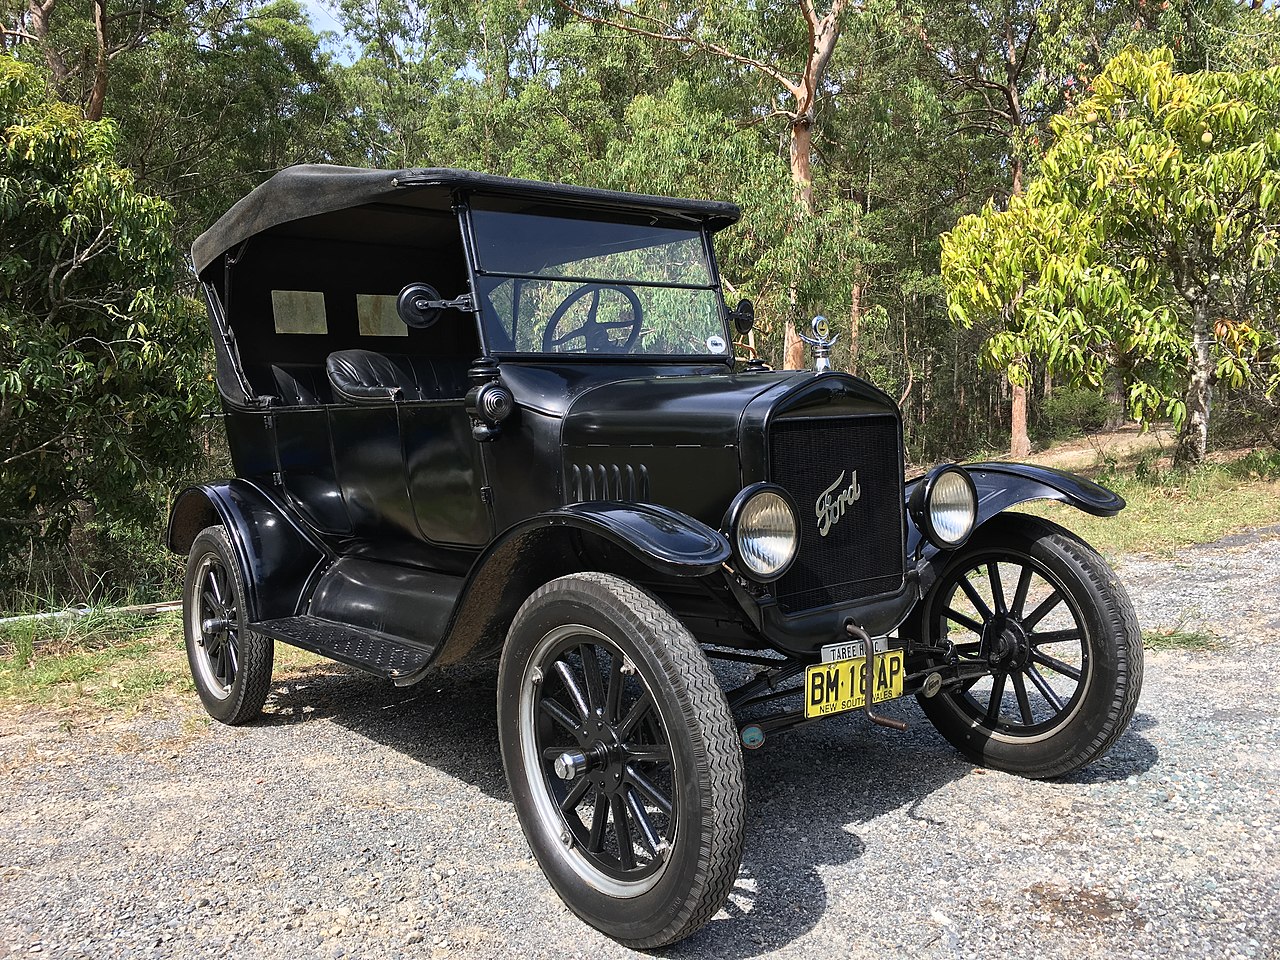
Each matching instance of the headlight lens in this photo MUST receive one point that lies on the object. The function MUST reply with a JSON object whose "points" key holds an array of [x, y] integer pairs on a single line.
{"points": [[766, 535], [953, 507]]}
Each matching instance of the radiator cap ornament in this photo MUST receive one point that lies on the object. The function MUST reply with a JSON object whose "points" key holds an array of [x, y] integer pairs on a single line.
{"points": [[821, 341]]}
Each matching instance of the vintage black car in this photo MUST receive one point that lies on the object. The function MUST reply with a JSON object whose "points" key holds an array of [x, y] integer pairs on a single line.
{"points": [[476, 417]]}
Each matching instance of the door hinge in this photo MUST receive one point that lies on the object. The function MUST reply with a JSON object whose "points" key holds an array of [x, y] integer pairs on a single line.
{"points": [[277, 479], [486, 494]]}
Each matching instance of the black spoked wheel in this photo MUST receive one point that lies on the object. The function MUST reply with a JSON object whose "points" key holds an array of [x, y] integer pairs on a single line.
{"points": [[594, 730], [230, 664], [622, 757], [1049, 643]]}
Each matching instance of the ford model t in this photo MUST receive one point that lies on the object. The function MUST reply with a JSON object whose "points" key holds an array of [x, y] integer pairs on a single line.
{"points": [[474, 417]]}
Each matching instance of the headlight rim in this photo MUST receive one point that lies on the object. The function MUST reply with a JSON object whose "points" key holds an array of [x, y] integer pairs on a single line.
{"points": [[732, 517], [922, 514]]}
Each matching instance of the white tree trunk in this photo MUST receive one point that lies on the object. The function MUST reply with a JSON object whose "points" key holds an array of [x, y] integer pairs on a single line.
{"points": [[1194, 442]]}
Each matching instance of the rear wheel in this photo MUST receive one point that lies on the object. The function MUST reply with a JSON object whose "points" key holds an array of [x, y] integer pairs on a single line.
{"points": [[622, 757], [231, 665], [1050, 642]]}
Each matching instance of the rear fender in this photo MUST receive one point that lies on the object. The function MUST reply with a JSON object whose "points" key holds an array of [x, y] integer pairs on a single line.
{"points": [[645, 538], [279, 561]]}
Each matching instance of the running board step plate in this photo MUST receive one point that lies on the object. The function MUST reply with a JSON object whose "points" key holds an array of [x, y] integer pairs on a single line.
{"points": [[374, 653]]}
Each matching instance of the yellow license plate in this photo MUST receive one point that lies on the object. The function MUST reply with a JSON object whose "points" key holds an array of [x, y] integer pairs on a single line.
{"points": [[831, 688]]}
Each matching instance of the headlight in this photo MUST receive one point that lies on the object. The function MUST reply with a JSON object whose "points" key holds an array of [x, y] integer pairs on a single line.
{"points": [[762, 528], [945, 507]]}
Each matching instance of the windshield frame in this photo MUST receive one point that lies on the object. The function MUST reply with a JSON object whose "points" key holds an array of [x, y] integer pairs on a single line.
{"points": [[568, 211]]}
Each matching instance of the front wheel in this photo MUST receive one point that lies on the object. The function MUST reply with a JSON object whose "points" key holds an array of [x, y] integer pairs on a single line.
{"points": [[622, 757], [1048, 643]]}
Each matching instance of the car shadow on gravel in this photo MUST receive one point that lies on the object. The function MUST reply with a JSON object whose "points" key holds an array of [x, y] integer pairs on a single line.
{"points": [[811, 792]]}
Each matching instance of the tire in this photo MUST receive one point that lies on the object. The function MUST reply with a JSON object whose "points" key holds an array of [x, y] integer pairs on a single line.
{"points": [[230, 664], [1068, 703], [670, 773]]}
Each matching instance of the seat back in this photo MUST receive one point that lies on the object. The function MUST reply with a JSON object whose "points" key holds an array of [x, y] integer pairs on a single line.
{"points": [[365, 376]]}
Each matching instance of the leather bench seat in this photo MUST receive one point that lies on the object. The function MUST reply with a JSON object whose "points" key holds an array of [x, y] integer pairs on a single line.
{"points": [[364, 376]]}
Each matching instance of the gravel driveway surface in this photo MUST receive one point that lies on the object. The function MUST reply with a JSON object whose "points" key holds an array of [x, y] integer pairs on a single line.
{"points": [[360, 820]]}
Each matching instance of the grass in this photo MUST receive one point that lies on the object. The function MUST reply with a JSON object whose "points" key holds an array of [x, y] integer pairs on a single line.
{"points": [[123, 663], [1169, 509], [110, 661], [1176, 638]]}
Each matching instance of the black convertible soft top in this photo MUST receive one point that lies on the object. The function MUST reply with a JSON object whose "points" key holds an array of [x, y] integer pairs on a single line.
{"points": [[308, 190]]}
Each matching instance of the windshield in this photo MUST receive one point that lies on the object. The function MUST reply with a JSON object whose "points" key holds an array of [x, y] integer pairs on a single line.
{"points": [[574, 286]]}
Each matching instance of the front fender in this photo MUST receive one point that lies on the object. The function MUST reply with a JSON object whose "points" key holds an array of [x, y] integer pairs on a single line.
{"points": [[1004, 485], [279, 560], [563, 541]]}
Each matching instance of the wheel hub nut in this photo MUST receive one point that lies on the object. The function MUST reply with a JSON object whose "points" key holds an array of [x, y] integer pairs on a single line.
{"points": [[570, 764]]}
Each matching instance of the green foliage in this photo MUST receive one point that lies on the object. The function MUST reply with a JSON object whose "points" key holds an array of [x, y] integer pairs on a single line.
{"points": [[1073, 411], [1152, 213], [99, 378]]}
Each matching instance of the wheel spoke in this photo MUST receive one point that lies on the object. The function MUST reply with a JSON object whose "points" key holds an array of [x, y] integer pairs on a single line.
{"points": [[214, 586], [1040, 612], [645, 826], [1046, 691], [1020, 593], [599, 820], [975, 598], [575, 795], [614, 697], [1054, 636], [573, 688], [651, 791], [233, 657], [1024, 705], [1053, 663], [648, 753], [997, 694], [997, 588], [967, 622], [591, 671], [556, 711], [635, 715], [626, 849]]}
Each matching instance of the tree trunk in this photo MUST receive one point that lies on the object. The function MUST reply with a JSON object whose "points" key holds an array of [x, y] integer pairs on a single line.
{"points": [[1194, 442], [855, 326], [792, 349], [98, 95], [1113, 384], [1019, 443], [802, 176], [40, 13]]}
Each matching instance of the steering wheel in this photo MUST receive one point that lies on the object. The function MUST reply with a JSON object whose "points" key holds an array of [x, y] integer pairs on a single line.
{"points": [[593, 331]]}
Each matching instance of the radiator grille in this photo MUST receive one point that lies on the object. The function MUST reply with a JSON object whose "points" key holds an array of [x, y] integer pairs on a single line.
{"points": [[862, 552]]}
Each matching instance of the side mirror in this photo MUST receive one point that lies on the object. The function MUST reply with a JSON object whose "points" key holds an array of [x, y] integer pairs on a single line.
{"points": [[743, 316], [419, 305]]}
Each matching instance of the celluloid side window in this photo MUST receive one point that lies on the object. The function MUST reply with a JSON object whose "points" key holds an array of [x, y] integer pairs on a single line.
{"points": [[299, 311], [378, 316]]}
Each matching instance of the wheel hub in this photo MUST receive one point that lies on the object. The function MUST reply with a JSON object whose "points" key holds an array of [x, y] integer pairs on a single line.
{"points": [[1005, 642], [603, 757]]}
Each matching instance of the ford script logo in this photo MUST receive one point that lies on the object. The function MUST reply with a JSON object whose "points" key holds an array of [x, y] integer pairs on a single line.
{"points": [[833, 501]]}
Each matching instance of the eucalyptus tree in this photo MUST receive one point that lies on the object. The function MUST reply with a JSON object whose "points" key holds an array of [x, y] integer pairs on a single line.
{"points": [[787, 48]]}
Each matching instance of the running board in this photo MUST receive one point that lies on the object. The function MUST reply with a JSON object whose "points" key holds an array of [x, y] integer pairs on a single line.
{"points": [[376, 653]]}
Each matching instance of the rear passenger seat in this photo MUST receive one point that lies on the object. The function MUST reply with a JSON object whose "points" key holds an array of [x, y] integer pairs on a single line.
{"points": [[363, 376]]}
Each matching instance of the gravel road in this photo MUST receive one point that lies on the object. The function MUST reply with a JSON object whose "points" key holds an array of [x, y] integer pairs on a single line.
{"points": [[359, 820]]}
